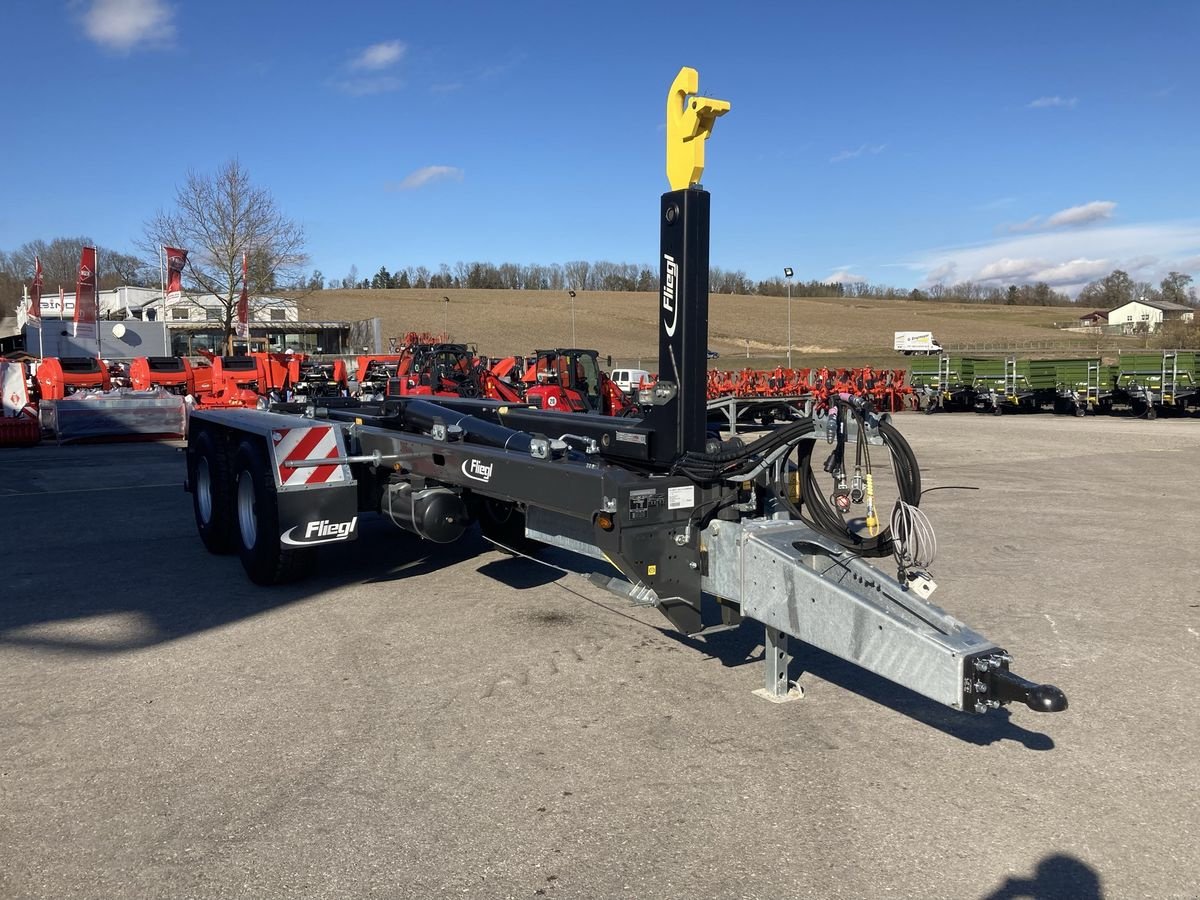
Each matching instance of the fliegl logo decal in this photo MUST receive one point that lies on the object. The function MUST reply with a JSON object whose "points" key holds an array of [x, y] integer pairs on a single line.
{"points": [[479, 471], [670, 285], [322, 532]]}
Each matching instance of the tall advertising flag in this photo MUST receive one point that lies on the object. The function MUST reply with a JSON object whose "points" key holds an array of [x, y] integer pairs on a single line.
{"points": [[176, 260], [85, 296], [243, 307], [35, 292]]}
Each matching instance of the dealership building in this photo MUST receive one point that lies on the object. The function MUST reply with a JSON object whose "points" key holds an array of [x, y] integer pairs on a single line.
{"points": [[185, 325]]}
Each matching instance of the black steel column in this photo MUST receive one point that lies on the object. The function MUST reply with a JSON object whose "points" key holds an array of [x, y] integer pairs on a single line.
{"points": [[679, 423]]}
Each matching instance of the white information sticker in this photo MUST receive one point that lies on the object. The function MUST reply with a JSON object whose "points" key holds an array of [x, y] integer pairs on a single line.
{"points": [[681, 497]]}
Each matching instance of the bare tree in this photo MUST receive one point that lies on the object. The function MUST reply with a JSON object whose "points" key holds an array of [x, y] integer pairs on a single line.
{"points": [[219, 217], [576, 274]]}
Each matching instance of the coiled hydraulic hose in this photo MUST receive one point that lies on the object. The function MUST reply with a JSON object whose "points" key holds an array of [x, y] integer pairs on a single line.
{"points": [[816, 510]]}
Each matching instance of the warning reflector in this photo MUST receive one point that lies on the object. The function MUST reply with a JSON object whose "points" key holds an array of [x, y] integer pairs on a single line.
{"points": [[306, 445]]}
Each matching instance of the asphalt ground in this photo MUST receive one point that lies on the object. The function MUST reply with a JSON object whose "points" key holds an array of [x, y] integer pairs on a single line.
{"points": [[419, 721]]}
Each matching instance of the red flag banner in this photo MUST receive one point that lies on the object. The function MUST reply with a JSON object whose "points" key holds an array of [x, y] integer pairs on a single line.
{"points": [[35, 291], [176, 260], [243, 307], [85, 295]]}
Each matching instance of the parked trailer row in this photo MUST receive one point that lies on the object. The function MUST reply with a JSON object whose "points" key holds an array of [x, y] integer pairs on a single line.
{"points": [[1147, 383]]}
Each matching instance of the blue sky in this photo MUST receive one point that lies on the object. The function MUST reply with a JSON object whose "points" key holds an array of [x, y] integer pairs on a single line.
{"points": [[900, 143]]}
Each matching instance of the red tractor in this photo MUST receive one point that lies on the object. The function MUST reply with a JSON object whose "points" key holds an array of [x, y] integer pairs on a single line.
{"points": [[570, 380], [443, 370]]}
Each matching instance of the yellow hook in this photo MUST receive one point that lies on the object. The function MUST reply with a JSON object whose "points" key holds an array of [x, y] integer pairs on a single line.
{"points": [[690, 121]]}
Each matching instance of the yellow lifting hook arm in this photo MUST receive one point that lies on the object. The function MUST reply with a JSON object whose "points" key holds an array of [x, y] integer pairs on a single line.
{"points": [[690, 121]]}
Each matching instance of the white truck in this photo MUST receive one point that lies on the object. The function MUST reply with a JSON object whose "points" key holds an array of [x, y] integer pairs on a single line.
{"points": [[920, 343]]}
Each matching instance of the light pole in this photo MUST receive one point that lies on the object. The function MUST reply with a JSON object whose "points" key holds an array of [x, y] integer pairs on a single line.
{"points": [[446, 317], [572, 295], [787, 273]]}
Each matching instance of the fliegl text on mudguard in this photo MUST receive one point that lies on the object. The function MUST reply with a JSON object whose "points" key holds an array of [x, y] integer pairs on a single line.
{"points": [[325, 515]]}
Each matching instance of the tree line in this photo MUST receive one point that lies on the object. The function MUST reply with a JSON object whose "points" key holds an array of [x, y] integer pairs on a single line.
{"points": [[60, 261], [581, 275]]}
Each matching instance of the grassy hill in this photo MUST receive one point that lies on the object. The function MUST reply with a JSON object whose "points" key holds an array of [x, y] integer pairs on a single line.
{"points": [[824, 330]]}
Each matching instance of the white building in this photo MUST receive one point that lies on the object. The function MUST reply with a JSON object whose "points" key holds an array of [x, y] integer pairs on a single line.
{"points": [[197, 322], [1148, 315], [149, 305]]}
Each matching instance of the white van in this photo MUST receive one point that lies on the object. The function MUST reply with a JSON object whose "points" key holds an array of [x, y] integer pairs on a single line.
{"points": [[629, 379]]}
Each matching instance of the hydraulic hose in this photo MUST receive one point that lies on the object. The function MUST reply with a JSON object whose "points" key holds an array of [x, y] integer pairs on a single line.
{"points": [[825, 519]]}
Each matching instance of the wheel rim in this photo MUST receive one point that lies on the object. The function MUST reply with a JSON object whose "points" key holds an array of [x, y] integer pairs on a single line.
{"points": [[247, 523], [204, 501]]}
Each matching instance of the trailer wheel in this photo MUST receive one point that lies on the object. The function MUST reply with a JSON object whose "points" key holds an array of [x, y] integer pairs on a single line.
{"points": [[256, 507], [212, 491]]}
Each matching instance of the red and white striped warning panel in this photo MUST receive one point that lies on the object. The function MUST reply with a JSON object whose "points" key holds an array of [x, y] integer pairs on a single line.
{"points": [[307, 445]]}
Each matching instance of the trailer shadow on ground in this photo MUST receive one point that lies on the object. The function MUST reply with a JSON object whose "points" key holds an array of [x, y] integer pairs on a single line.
{"points": [[111, 611], [743, 645]]}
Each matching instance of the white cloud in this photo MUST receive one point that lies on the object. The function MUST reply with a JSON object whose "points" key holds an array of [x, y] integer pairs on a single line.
{"points": [[1138, 263], [842, 276], [1028, 225], [1054, 102], [379, 56], [1006, 269], [121, 25], [427, 175], [862, 150], [1073, 272], [1069, 258], [943, 273], [1071, 217], [1082, 215]]}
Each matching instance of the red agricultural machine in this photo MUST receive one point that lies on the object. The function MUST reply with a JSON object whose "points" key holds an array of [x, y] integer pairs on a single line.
{"points": [[373, 374], [442, 370], [570, 380], [173, 374], [60, 377], [18, 419], [308, 378], [888, 389]]}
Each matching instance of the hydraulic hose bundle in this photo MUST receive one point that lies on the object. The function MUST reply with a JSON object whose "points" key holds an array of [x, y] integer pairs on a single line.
{"points": [[738, 459], [825, 514]]}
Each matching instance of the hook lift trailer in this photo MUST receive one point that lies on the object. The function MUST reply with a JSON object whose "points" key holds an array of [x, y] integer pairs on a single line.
{"points": [[709, 532]]}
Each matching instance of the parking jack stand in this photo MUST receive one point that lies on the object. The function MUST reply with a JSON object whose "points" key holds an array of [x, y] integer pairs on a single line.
{"points": [[776, 659]]}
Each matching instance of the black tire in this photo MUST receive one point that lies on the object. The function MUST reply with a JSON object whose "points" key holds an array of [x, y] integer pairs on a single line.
{"points": [[212, 494], [256, 515]]}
